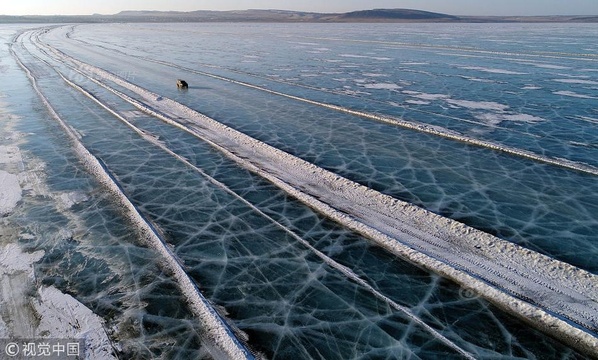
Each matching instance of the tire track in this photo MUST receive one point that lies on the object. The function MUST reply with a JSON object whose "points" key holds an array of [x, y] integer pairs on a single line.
{"points": [[219, 332]]}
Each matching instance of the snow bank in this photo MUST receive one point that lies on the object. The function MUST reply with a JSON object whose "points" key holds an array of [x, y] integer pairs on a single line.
{"points": [[65, 318], [13, 260], [46, 312], [10, 192]]}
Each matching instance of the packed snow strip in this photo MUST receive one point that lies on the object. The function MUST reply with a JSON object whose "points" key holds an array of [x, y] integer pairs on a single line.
{"points": [[332, 263], [216, 329], [556, 297]]}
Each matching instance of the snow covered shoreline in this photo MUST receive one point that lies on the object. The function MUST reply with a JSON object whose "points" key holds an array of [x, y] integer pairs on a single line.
{"points": [[40, 312], [221, 339], [30, 310]]}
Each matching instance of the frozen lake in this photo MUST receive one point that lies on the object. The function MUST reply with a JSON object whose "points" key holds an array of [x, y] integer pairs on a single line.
{"points": [[342, 191]]}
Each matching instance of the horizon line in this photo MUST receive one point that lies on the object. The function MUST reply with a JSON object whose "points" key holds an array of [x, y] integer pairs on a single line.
{"points": [[297, 11]]}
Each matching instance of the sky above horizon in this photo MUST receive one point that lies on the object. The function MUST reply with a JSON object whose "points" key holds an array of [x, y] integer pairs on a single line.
{"points": [[454, 7]]}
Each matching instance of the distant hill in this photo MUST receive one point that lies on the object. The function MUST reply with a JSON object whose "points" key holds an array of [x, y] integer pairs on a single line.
{"points": [[395, 14], [222, 16], [284, 16]]}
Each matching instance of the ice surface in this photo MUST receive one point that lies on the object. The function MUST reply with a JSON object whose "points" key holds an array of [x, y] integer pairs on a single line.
{"points": [[377, 216], [257, 253], [90, 255]]}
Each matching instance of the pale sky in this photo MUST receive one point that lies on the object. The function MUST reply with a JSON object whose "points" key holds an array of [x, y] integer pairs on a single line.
{"points": [[454, 7]]}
